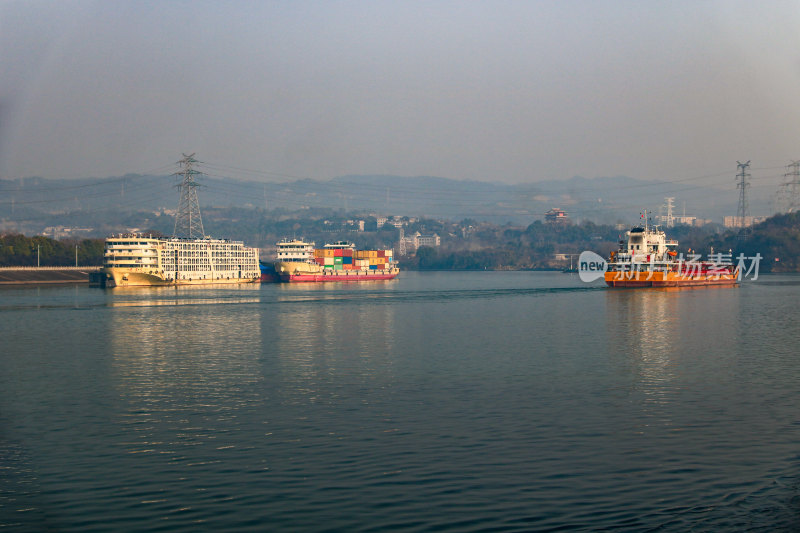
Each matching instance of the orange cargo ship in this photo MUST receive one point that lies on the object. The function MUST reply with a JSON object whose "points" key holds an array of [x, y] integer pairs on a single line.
{"points": [[649, 259]]}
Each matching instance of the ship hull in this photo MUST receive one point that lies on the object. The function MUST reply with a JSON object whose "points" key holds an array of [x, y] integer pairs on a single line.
{"points": [[343, 276], [268, 274], [668, 279], [297, 272], [127, 277]]}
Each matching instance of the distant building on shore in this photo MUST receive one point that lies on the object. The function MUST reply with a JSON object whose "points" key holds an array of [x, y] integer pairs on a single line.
{"points": [[413, 242], [61, 232], [684, 219], [396, 221], [556, 216], [431, 239], [739, 222]]}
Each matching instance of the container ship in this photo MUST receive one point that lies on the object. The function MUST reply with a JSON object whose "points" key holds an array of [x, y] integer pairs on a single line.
{"points": [[300, 261], [648, 259]]}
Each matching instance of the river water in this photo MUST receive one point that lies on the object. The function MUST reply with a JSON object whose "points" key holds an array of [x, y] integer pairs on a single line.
{"points": [[478, 401]]}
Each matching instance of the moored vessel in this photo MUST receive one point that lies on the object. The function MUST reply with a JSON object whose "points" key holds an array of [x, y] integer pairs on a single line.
{"points": [[648, 259], [136, 260], [300, 261], [268, 274]]}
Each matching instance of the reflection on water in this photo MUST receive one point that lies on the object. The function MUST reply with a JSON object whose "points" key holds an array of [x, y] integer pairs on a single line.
{"points": [[451, 402], [645, 327], [183, 295], [662, 334], [322, 345], [146, 335], [186, 370]]}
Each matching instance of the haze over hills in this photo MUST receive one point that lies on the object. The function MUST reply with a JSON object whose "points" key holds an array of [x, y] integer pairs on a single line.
{"points": [[601, 200]]}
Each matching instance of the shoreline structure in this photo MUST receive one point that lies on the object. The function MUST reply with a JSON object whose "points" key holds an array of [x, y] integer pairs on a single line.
{"points": [[46, 275]]}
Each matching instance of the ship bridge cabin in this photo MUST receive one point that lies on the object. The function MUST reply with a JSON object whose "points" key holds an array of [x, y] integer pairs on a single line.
{"points": [[295, 250], [646, 245]]}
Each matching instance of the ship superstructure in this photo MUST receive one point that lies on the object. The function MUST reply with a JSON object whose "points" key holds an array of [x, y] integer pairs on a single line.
{"points": [[295, 250]]}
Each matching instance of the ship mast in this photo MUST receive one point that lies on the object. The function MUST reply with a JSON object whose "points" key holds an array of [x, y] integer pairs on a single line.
{"points": [[188, 222]]}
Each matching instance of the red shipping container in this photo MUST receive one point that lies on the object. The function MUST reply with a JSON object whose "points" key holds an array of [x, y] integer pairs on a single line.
{"points": [[381, 253], [347, 253], [320, 260], [337, 252]]}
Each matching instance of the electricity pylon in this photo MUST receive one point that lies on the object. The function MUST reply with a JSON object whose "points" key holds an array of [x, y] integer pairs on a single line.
{"points": [[188, 222]]}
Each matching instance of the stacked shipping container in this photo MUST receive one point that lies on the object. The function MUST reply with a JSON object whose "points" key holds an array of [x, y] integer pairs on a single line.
{"points": [[347, 259]]}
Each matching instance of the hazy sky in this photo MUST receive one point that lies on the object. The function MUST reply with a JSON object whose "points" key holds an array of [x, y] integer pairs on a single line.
{"points": [[516, 91]]}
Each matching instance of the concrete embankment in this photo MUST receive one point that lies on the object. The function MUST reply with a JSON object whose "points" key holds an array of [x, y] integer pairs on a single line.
{"points": [[45, 275]]}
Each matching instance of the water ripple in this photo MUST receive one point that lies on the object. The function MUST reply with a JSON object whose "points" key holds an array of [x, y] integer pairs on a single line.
{"points": [[489, 404]]}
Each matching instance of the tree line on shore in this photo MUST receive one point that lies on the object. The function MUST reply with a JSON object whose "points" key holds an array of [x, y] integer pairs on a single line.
{"points": [[776, 241], [465, 245], [19, 250]]}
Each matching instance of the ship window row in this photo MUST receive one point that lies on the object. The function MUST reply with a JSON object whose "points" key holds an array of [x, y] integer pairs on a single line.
{"points": [[203, 268], [180, 246], [204, 253], [205, 260], [231, 254], [204, 246], [218, 264], [232, 266], [187, 256]]}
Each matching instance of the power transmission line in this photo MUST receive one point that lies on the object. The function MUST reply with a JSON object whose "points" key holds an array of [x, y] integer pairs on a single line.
{"points": [[743, 212], [789, 192]]}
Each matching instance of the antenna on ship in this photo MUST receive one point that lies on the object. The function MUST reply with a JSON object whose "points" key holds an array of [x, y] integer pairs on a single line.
{"points": [[188, 222], [742, 185]]}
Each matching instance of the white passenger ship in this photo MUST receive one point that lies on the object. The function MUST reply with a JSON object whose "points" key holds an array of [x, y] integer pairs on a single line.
{"points": [[142, 260]]}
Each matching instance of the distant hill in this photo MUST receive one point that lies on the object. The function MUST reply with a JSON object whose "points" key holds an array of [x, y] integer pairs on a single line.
{"points": [[601, 200], [777, 240]]}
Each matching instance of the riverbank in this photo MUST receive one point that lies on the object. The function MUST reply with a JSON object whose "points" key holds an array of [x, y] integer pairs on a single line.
{"points": [[46, 275]]}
